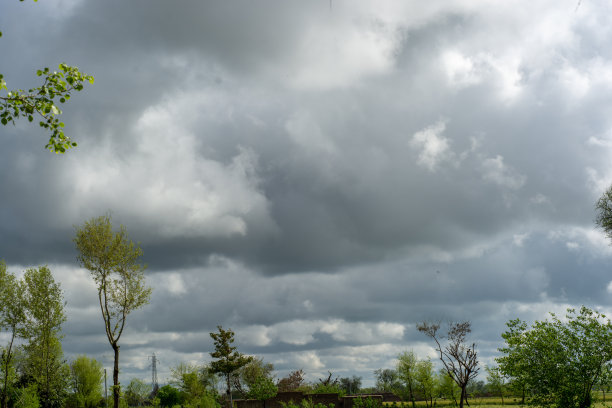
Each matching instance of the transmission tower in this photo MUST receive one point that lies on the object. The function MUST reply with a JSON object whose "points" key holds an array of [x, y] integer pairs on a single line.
{"points": [[154, 382]]}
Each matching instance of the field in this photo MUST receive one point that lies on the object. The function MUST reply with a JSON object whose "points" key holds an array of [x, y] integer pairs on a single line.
{"points": [[494, 402]]}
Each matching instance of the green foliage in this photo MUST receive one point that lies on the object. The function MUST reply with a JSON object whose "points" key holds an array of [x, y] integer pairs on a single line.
{"points": [[112, 260], [27, 397], [137, 392], [367, 402], [12, 320], [425, 380], [496, 381], [558, 361], [44, 307], [350, 385], [406, 371], [263, 388], [169, 396], [305, 403], [387, 380], [195, 383], [248, 375], [603, 207], [86, 380], [447, 388], [42, 101], [228, 359], [208, 400]]}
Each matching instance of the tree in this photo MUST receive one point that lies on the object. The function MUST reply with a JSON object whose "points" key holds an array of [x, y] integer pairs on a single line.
{"points": [[137, 392], [447, 387], [425, 381], [496, 381], [406, 367], [112, 260], [12, 319], [86, 377], [250, 374], [350, 385], [459, 359], [603, 207], [169, 396], [559, 361], [194, 382], [44, 307], [263, 388], [228, 359], [41, 101], [387, 380], [292, 382]]}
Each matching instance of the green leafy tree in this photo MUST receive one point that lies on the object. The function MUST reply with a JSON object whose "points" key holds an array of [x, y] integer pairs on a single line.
{"points": [[44, 306], [406, 371], [137, 392], [425, 381], [263, 388], [460, 359], [41, 103], [169, 396], [250, 374], [228, 359], [387, 380], [447, 387], [560, 361], [112, 260], [12, 320], [194, 382], [86, 376], [350, 385], [496, 381], [605, 380]]}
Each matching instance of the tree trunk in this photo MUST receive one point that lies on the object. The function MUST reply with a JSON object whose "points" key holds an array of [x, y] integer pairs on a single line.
{"points": [[116, 391], [229, 392], [6, 359], [461, 397]]}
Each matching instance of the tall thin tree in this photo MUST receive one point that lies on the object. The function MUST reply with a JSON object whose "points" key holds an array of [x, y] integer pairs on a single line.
{"points": [[12, 319], [228, 359], [112, 260]]}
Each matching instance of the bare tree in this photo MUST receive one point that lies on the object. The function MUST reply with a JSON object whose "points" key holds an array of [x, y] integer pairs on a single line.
{"points": [[460, 360]]}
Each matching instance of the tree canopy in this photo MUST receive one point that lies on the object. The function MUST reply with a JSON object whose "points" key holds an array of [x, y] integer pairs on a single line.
{"points": [[559, 361]]}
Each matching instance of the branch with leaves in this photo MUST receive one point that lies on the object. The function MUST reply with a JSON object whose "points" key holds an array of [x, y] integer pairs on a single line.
{"points": [[42, 102]]}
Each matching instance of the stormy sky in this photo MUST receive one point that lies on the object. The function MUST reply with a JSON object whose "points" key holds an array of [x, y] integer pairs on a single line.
{"points": [[317, 176]]}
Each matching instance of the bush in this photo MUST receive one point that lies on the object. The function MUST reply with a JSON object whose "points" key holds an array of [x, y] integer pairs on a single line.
{"points": [[368, 402]]}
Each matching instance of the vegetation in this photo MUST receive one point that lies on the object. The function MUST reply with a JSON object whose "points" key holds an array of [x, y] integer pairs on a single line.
{"points": [[86, 382], [228, 359], [41, 102], [459, 359], [112, 260], [559, 362]]}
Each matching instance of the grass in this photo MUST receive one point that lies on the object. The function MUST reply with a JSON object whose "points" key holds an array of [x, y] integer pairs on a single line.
{"points": [[494, 402]]}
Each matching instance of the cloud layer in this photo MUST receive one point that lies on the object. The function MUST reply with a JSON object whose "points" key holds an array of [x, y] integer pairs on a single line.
{"points": [[318, 176]]}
